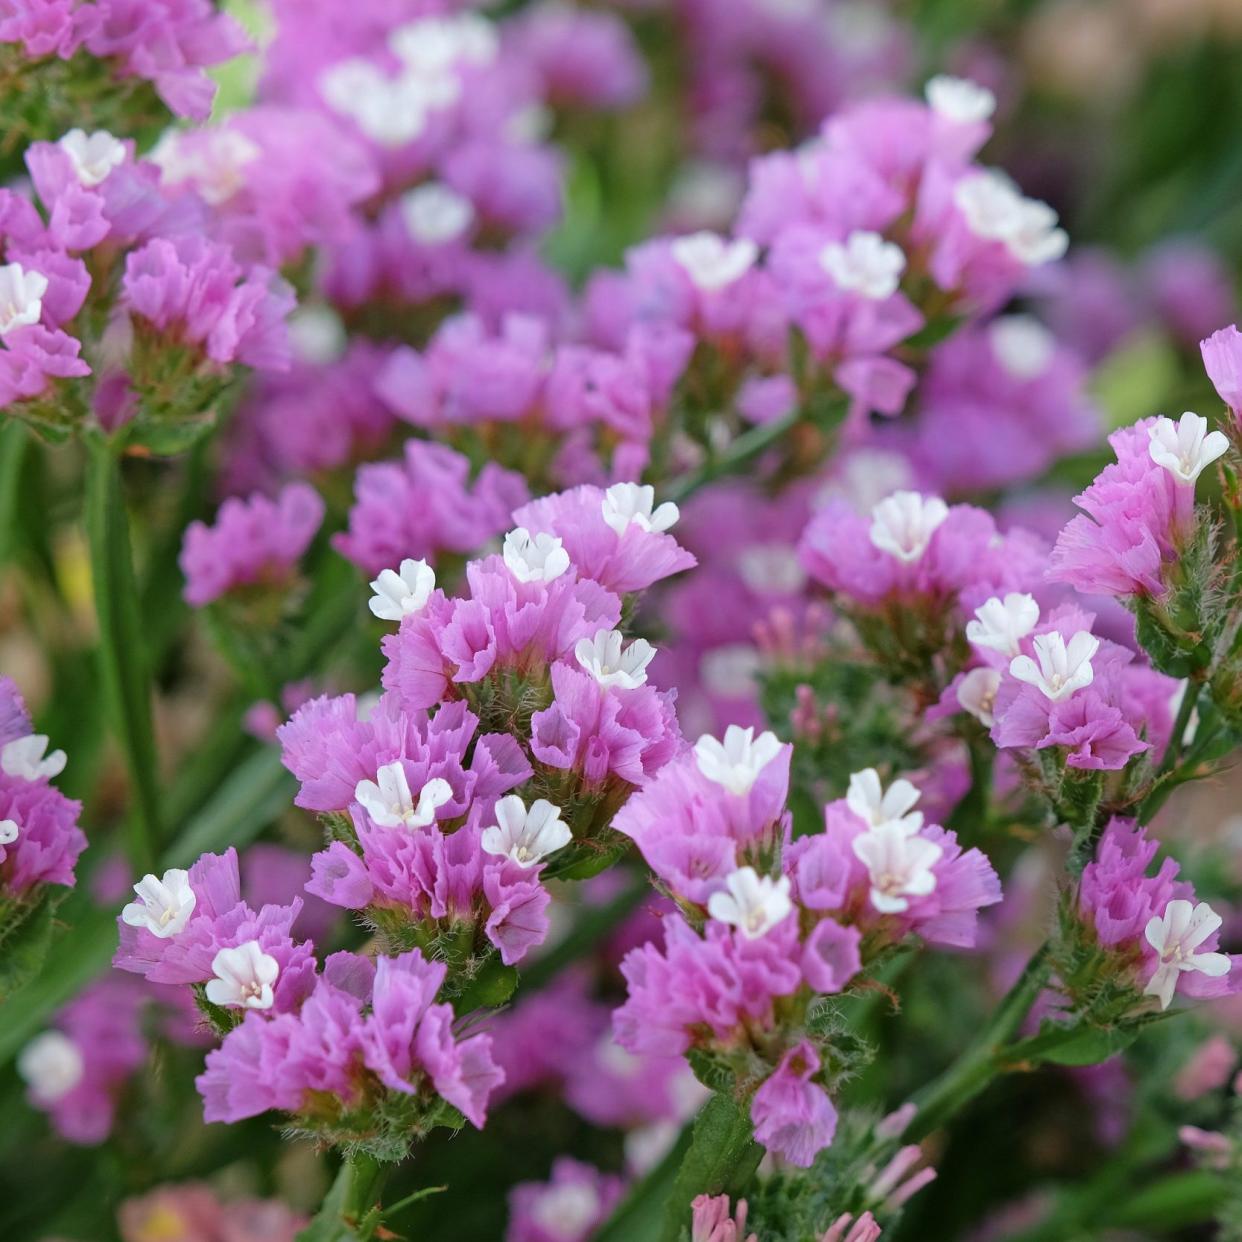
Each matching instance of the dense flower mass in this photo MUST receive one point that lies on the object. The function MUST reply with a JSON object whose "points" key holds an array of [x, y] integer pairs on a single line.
{"points": [[642, 606]]}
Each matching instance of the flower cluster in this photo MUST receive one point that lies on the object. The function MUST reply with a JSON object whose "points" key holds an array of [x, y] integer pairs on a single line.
{"points": [[768, 924]]}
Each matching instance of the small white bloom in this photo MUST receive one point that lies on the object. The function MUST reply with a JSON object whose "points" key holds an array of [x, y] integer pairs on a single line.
{"points": [[432, 45], [865, 264], [731, 671], [995, 210], [610, 665], [1062, 668], [390, 111], [902, 524], [215, 165], [737, 762], [244, 977], [390, 803], [1001, 624], [754, 904], [959, 99], [21, 297], [1175, 935], [1184, 448], [10, 830], [51, 1065], [875, 805], [435, 214], [93, 156], [713, 262], [527, 835], [164, 905], [317, 334], [566, 1210], [534, 558], [900, 866], [401, 593], [1022, 345], [631, 503], [771, 569], [23, 757], [976, 693]]}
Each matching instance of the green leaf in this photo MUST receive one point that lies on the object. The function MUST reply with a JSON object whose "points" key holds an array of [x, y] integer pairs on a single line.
{"points": [[1086, 1046], [24, 942]]}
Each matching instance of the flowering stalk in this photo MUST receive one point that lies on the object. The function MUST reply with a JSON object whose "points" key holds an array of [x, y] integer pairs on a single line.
{"points": [[121, 647]]}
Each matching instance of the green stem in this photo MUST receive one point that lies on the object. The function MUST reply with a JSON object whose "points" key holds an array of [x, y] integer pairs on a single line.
{"points": [[14, 442], [736, 457], [122, 651], [1173, 751], [351, 1211], [986, 1057]]}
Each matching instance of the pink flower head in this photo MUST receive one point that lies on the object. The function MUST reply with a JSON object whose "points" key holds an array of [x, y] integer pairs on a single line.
{"points": [[193, 290], [703, 988], [253, 542], [793, 1115], [1222, 359], [617, 537], [42, 840], [712, 1221], [330, 750], [426, 505]]}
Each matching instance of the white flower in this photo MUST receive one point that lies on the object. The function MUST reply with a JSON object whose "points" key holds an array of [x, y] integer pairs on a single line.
{"points": [[51, 1065], [317, 334], [527, 835], [93, 156], [401, 593], [9, 831], [1061, 669], [995, 210], [534, 558], [874, 805], [390, 111], [432, 45], [1184, 448], [629, 503], [713, 262], [731, 671], [23, 757], [434, 214], [244, 977], [164, 905], [566, 1210], [754, 904], [900, 866], [737, 762], [865, 264], [21, 297], [1022, 345], [216, 167], [1175, 935], [902, 524], [976, 693], [603, 657], [389, 802], [1002, 623], [771, 569], [959, 99]]}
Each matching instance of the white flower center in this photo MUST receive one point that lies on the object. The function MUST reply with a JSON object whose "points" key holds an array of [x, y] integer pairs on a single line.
{"points": [[534, 558], [865, 264], [713, 262], [93, 156], [21, 297], [902, 525], [435, 214]]}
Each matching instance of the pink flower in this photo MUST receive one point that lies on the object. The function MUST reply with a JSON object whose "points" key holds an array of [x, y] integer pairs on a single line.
{"points": [[253, 541], [793, 1116], [1222, 359], [569, 1207]]}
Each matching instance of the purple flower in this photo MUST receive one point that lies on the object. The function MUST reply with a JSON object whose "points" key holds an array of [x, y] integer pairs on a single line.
{"points": [[706, 987], [793, 1116], [613, 536], [47, 841], [255, 541], [1222, 359], [426, 505], [568, 1207], [193, 290]]}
